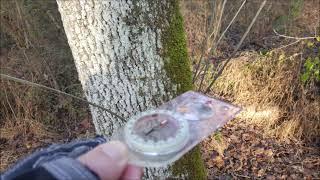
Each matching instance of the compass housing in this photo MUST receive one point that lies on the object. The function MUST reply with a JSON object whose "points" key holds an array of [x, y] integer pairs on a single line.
{"points": [[157, 132]]}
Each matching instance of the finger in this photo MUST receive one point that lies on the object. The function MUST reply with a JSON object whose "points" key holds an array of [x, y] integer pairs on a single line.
{"points": [[108, 160], [132, 173]]}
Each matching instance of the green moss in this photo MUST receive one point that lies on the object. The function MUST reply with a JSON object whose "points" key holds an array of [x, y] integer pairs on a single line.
{"points": [[177, 66], [191, 164], [176, 63]]}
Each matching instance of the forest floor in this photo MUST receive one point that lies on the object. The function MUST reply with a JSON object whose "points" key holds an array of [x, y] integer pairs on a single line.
{"points": [[237, 151], [241, 151]]}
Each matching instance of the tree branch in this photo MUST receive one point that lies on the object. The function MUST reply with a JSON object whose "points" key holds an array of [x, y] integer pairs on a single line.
{"points": [[237, 47], [291, 37]]}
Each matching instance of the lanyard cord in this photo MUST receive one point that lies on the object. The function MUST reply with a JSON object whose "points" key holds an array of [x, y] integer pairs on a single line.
{"points": [[4, 76]]}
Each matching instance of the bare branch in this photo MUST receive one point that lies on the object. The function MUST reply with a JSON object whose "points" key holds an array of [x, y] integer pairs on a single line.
{"points": [[231, 22], [205, 41], [237, 47], [215, 32], [291, 37], [295, 42], [215, 45]]}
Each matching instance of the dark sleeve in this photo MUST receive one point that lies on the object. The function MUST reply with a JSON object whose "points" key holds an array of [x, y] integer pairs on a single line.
{"points": [[60, 169], [55, 162], [39, 173]]}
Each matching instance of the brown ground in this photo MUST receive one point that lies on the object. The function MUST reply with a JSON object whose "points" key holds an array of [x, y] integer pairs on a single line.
{"points": [[242, 152], [238, 151]]}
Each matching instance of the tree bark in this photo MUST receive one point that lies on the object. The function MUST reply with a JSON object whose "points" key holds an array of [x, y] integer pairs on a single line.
{"points": [[130, 56]]}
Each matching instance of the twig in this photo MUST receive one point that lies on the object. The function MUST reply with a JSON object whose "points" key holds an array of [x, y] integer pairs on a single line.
{"points": [[4, 76], [53, 20], [231, 22], [291, 37], [56, 86], [295, 42], [23, 23], [14, 114], [237, 47], [215, 45], [215, 32], [219, 22], [240, 175], [205, 43], [203, 47], [195, 76], [204, 74]]}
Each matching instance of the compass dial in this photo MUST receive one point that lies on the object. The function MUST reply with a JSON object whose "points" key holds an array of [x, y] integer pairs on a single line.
{"points": [[157, 132]]}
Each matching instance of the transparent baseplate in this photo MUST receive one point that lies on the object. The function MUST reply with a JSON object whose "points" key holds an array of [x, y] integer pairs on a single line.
{"points": [[161, 136]]}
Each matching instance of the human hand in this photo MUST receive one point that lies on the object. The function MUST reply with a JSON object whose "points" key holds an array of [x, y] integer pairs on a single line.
{"points": [[110, 162]]}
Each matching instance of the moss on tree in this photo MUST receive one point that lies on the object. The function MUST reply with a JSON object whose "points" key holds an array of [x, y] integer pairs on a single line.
{"points": [[177, 66]]}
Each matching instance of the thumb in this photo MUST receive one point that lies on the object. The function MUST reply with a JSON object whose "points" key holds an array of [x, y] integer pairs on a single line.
{"points": [[108, 160]]}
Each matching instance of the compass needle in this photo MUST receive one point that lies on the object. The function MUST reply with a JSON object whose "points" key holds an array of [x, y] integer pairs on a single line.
{"points": [[160, 132]]}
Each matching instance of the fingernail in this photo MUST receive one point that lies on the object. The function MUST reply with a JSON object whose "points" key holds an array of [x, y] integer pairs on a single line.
{"points": [[117, 151]]}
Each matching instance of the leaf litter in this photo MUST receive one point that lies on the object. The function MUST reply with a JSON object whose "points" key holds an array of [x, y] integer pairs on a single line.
{"points": [[243, 152]]}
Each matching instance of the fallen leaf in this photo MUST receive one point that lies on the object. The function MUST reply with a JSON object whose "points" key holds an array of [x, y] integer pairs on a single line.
{"points": [[246, 137], [85, 123], [234, 138], [260, 172], [271, 177], [28, 145], [259, 151], [268, 153], [218, 161]]}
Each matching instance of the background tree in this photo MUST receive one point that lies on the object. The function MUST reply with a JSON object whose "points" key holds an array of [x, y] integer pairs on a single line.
{"points": [[130, 56]]}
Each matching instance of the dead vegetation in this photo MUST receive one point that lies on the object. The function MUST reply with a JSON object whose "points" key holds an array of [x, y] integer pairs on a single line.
{"points": [[248, 154], [34, 47], [271, 91], [277, 135], [264, 77]]}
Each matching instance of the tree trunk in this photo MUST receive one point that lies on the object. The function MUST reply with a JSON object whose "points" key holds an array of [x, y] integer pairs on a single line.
{"points": [[130, 56]]}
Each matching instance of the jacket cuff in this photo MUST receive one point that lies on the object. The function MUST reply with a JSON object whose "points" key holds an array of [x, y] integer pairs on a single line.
{"points": [[68, 168]]}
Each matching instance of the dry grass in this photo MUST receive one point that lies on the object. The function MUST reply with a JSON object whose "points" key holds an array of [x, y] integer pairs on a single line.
{"points": [[21, 137], [273, 95], [34, 47], [268, 87]]}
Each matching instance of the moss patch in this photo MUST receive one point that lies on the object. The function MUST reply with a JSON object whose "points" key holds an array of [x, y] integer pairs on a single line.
{"points": [[191, 164], [177, 66]]}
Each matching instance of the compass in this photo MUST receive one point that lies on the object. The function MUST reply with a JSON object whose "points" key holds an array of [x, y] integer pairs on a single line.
{"points": [[157, 132]]}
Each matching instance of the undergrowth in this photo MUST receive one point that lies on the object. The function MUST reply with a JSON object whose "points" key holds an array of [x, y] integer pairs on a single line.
{"points": [[34, 47], [273, 94], [277, 86]]}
